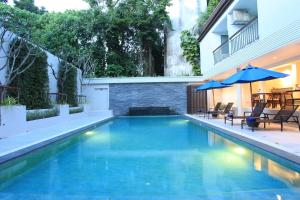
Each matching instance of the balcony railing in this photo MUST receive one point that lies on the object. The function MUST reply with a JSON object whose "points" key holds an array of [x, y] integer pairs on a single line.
{"points": [[242, 38], [221, 52], [81, 99], [245, 36], [58, 98]]}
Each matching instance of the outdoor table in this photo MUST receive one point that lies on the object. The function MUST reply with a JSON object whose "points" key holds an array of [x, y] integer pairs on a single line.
{"points": [[295, 101], [271, 98]]}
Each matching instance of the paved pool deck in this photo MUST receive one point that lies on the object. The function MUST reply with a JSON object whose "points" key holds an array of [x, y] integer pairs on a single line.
{"points": [[22, 143], [285, 144]]}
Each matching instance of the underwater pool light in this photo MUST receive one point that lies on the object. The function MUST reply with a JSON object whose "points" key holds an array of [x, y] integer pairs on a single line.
{"points": [[89, 133], [240, 150]]}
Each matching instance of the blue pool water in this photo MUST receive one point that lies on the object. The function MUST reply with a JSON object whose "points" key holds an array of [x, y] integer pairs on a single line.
{"points": [[149, 158]]}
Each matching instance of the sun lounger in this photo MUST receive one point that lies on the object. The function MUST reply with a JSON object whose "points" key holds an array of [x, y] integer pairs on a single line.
{"points": [[284, 115], [223, 112], [257, 111]]}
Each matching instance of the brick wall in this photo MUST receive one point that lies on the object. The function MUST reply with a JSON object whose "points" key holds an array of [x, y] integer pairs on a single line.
{"points": [[122, 96]]}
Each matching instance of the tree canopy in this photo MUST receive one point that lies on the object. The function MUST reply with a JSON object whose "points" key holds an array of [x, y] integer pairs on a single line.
{"points": [[119, 37], [29, 6], [212, 4]]}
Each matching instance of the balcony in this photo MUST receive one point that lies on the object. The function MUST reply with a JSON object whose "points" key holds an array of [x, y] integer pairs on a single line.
{"points": [[242, 38], [221, 52]]}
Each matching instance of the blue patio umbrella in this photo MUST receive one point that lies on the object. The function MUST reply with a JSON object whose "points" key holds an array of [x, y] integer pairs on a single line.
{"points": [[211, 85], [253, 74]]}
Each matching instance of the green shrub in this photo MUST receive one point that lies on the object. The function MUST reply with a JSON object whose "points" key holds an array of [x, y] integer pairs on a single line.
{"points": [[41, 114], [33, 82], [9, 101], [205, 15], [76, 110], [67, 82], [113, 70]]}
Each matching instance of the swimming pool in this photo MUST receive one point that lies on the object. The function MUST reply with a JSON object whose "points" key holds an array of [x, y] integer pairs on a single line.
{"points": [[149, 158]]}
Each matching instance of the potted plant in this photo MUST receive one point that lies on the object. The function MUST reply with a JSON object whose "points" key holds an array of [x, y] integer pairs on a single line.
{"points": [[9, 101]]}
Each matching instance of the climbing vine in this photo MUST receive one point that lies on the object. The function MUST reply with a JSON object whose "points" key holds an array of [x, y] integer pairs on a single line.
{"points": [[191, 50]]}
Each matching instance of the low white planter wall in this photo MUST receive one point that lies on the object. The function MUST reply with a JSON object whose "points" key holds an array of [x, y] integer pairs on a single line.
{"points": [[38, 110], [41, 114], [63, 110], [12, 118], [86, 108]]}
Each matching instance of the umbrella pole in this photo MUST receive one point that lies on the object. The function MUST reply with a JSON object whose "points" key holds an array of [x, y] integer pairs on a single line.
{"points": [[213, 94], [251, 96]]}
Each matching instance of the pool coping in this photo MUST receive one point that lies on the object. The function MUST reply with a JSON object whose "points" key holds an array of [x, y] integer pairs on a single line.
{"points": [[6, 156], [278, 150]]}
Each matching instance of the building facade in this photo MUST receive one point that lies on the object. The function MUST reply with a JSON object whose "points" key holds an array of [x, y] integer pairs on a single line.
{"points": [[264, 33]]}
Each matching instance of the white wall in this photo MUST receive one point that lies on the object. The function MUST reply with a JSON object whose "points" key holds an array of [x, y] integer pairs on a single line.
{"points": [[274, 15], [51, 59], [207, 46], [2, 57], [97, 96], [79, 81]]}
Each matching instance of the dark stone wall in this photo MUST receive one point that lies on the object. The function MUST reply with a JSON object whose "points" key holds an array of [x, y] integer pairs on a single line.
{"points": [[125, 95]]}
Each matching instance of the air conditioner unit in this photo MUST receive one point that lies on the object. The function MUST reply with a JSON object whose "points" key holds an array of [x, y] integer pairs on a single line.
{"points": [[240, 17]]}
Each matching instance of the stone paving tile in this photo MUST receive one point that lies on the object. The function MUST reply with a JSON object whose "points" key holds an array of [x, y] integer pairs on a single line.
{"points": [[26, 139]]}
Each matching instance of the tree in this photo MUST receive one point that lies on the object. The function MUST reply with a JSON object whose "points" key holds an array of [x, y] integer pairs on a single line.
{"points": [[67, 82], [18, 54], [31, 74], [212, 4], [123, 38], [107, 3], [29, 6]]}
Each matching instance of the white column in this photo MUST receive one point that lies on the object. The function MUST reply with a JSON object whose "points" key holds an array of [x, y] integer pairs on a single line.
{"points": [[239, 99], [261, 86], [209, 99], [294, 75]]}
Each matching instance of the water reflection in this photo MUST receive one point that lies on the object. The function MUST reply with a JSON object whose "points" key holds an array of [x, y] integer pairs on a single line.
{"points": [[152, 156], [237, 156]]}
